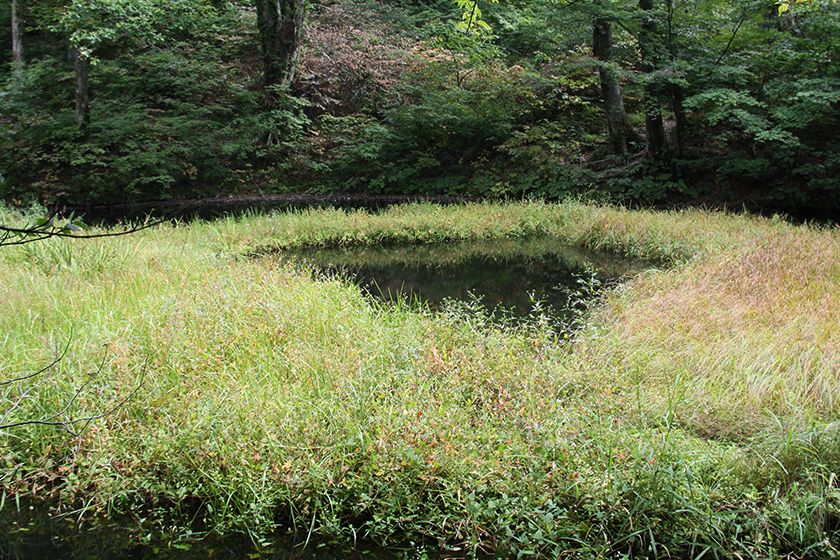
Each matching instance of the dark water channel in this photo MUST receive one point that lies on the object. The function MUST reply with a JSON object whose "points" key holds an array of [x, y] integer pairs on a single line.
{"points": [[510, 279], [38, 535], [212, 208]]}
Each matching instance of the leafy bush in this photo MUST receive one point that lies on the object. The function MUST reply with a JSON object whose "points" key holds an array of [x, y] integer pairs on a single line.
{"points": [[165, 123]]}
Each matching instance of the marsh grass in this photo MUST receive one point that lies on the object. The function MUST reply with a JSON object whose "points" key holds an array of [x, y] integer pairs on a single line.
{"points": [[695, 415]]}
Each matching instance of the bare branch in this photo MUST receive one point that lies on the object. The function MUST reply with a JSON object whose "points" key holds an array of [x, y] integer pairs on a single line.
{"points": [[53, 419], [32, 234], [732, 37], [47, 229], [44, 369]]}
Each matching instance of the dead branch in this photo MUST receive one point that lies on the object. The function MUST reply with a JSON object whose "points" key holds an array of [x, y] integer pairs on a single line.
{"points": [[55, 418], [47, 229]]}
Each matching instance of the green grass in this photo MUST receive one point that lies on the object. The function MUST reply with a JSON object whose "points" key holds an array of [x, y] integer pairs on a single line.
{"points": [[695, 415]]}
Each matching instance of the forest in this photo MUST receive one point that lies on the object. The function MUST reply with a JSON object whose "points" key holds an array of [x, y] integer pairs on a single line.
{"points": [[419, 279], [718, 103]]}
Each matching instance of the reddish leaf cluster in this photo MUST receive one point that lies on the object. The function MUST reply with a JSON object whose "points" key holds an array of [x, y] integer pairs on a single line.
{"points": [[350, 60]]}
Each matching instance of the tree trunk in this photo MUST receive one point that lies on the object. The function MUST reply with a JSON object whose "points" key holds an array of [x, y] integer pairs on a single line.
{"points": [[617, 123], [289, 35], [654, 127], [676, 91], [17, 36], [281, 30], [267, 23], [677, 97], [81, 67]]}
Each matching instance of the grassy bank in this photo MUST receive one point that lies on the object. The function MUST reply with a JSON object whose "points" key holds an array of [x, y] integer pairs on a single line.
{"points": [[696, 414]]}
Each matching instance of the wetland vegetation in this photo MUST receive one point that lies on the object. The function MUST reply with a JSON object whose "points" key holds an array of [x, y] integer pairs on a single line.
{"points": [[694, 413]]}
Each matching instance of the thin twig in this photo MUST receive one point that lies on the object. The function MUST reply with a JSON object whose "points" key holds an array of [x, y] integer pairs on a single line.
{"points": [[42, 370], [51, 419], [41, 234], [45, 230], [65, 424], [732, 38]]}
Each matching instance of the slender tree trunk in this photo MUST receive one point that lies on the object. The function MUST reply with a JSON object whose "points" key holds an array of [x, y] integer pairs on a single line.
{"points": [[654, 126], [617, 123], [81, 67], [17, 35], [290, 35], [771, 17], [267, 24], [281, 30], [677, 97], [676, 91]]}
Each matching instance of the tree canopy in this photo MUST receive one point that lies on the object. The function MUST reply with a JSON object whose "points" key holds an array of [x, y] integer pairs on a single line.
{"points": [[639, 101]]}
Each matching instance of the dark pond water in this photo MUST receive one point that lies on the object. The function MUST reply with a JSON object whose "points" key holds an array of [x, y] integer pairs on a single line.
{"points": [[38, 535], [210, 208], [507, 278]]}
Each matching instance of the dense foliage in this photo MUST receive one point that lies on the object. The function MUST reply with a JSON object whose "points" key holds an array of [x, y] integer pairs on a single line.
{"points": [[709, 101]]}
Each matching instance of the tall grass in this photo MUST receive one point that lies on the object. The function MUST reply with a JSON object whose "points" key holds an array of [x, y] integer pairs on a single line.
{"points": [[695, 415]]}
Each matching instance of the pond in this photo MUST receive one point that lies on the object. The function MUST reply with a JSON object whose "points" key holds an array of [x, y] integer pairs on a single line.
{"points": [[511, 279], [36, 534]]}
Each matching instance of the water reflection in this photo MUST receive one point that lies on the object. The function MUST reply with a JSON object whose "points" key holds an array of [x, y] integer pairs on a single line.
{"points": [[508, 274], [36, 534]]}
